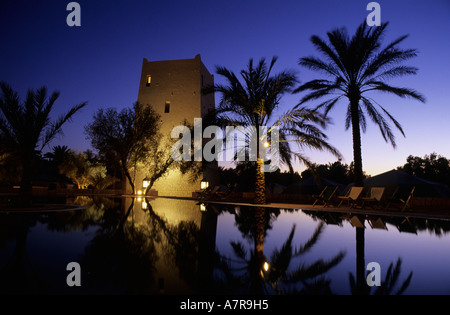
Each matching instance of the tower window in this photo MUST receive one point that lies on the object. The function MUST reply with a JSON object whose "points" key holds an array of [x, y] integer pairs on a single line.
{"points": [[149, 80], [167, 107]]}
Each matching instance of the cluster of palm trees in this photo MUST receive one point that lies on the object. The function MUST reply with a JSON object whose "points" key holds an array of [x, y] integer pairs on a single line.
{"points": [[352, 68], [26, 129]]}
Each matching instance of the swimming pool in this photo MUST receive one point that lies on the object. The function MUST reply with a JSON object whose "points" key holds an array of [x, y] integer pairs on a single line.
{"points": [[173, 246]]}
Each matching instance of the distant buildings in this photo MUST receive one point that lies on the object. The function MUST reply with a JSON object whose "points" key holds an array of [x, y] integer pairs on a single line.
{"points": [[173, 89]]}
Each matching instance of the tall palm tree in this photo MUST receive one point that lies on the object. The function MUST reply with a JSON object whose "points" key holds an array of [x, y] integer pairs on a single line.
{"points": [[253, 103], [26, 128], [357, 66]]}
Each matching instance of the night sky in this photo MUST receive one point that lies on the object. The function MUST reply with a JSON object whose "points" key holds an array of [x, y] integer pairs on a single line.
{"points": [[100, 62]]}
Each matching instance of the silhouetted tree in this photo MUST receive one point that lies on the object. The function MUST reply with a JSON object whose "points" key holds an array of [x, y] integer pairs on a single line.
{"points": [[357, 66], [26, 128], [336, 171], [126, 136], [253, 103], [433, 167], [58, 154]]}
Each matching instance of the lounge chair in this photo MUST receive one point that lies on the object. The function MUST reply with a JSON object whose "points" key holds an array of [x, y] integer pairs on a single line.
{"points": [[224, 194], [375, 197], [402, 197], [377, 223], [357, 222], [352, 197], [326, 195]]}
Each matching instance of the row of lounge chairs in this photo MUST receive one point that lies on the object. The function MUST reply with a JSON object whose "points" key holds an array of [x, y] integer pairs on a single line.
{"points": [[375, 197], [214, 193]]}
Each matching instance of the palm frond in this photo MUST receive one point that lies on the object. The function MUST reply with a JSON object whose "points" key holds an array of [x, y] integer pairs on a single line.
{"points": [[56, 127]]}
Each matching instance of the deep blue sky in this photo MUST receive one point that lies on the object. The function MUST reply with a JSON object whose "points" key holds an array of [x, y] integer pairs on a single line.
{"points": [[100, 62]]}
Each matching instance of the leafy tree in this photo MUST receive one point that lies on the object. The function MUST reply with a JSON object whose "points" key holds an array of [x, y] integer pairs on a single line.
{"points": [[336, 171], [433, 167], [253, 103], [357, 66], [158, 161], [26, 128], [126, 136], [85, 172]]}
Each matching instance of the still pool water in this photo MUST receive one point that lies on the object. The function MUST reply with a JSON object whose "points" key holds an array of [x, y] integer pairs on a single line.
{"points": [[171, 246]]}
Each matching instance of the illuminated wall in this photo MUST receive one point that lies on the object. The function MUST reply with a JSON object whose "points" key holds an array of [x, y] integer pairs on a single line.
{"points": [[173, 89]]}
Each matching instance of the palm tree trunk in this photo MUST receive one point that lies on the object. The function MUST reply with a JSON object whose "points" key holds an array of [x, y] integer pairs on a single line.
{"points": [[26, 186], [356, 133], [260, 184]]}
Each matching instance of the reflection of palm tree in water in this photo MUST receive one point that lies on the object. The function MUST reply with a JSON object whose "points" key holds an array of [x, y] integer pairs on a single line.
{"points": [[18, 275], [359, 286], [257, 275]]}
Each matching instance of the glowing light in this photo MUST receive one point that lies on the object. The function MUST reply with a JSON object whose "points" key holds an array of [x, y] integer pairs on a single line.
{"points": [[144, 205], [204, 184], [139, 192], [145, 183], [266, 266], [202, 207], [266, 144]]}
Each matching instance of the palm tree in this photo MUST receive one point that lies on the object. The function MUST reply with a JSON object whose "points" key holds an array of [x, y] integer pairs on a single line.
{"points": [[26, 128], [253, 103], [58, 154], [357, 66]]}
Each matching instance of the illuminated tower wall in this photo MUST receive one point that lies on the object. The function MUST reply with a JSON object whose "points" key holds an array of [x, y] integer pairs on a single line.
{"points": [[173, 89]]}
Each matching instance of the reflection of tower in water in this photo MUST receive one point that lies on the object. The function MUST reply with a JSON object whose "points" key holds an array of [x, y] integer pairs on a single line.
{"points": [[184, 239]]}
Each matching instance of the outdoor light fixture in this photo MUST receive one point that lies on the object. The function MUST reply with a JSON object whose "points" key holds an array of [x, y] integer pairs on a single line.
{"points": [[145, 182], [266, 266], [139, 192], [204, 184], [202, 207]]}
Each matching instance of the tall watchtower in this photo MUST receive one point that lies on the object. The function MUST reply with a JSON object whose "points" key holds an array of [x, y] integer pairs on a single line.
{"points": [[173, 89]]}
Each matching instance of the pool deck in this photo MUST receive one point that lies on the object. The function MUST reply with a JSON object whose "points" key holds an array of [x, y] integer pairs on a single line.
{"points": [[417, 213]]}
